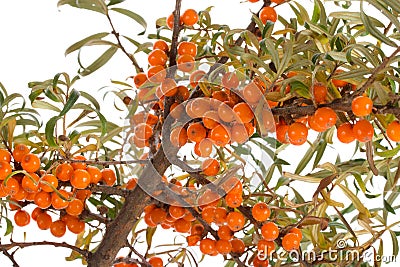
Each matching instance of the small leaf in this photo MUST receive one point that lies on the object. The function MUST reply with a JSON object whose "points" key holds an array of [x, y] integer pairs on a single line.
{"points": [[72, 98], [45, 105], [150, 231], [98, 63], [94, 5], [136, 17], [371, 29], [9, 228], [388, 207], [84, 41], [49, 131]]}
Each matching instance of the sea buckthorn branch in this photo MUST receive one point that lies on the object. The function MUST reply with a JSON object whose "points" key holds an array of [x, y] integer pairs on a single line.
{"points": [[105, 162], [117, 36], [10, 256], [109, 190]]}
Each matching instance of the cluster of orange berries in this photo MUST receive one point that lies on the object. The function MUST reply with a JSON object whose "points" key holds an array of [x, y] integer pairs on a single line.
{"points": [[153, 261], [63, 190], [188, 18]]}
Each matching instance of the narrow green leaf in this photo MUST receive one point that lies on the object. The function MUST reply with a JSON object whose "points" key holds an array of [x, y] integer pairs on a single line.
{"points": [[72, 98], [136, 17], [388, 207], [94, 5], [98, 63], [45, 105], [91, 99], [371, 29], [82, 42], [49, 131], [9, 228], [150, 231]]}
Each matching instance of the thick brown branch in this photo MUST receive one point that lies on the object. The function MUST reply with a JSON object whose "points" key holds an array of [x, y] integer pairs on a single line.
{"points": [[109, 190]]}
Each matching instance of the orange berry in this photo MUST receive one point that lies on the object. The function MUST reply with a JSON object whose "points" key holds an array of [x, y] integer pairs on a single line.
{"points": [[233, 200], [192, 240], [158, 215], [19, 151], [35, 213], [30, 162], [169, 87], [260, 262], [220, 135], [80, 179], [75, 225], [393, 131], [224, 232], [238, 246], [11, 186], [182, 226], [233, 185], [282, 133], [268, 14], [161, 44], [176, 212], [297, 133], [196, 132], [178, 136], [131, 184], [79, 165], [252, 93], [22, 218], [290, 242], [42, 199], [156, 262], [362, 106], [75, 207], [270, 231], [210, 167], [220, 216], [157, 57], [64, 172], [58, 228], [320, 92], [363, 130], [189, 17], [261, 211], [5, 155], [31, 183], [5, 169], [170, 21], [345, 133], [244, 112], [44, 221], [20, 195], [185, 62], [95, 174], [207, 246], [208, 214], [197, 229], [108, 176], [139, 79], [223, 247], [325, 117], [199, 106], [239, 133], [297, 232], [203, 148], [48, 182], [60, 201], [143, 131], [339, 83], [266, 247], [155, 74], [187, 48], [313, 125], [235, 221], [230, 80]]}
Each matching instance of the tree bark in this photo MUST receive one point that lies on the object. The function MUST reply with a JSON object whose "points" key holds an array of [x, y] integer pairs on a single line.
{"points": [[118, 230]]}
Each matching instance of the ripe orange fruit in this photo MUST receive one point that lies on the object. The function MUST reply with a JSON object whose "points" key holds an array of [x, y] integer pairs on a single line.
{"points": [[187, 48], [22, 218], [95, 174], [313, 125], [19, 151], [243, 112], [210, 119], [11, 186], [108, 176], [393, 131], [325, 117], [260, 262], [198, 107], [161, 44], [44, 221], [268, 14], [5, 169], [203, 148], [210, 167], [196, 132], [169, 87], [290, 242], [239, 133], [5, 155], [220, 216], [266, 247], [58, 228], [207, 246], [156, 262], [297, 232], [42, 199], [131, 184], [80, 179], [143, 131], [80, 164], [235, 221], [208, 214], [270, 231], [230, 80], [35, 213], [260, 211], [339, 83], [238, 246], [59, 202], [48, 182], [182, 226], [155, 74], [178, 136], [158, 215], [226, 113], [157, 57], [139, 79], [320, 92], [233, 200], [189, 17], [233, 185], [30, 162], [224, 232], [195, 76], [31, 183], [252, 93], [64, 172], [75, 225], [75, 207], [185, 62], [220, 135], [297, 133], [363, 130], [282, 133], [176, 212], [362, 106], [345, 133], [223, 247]]}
